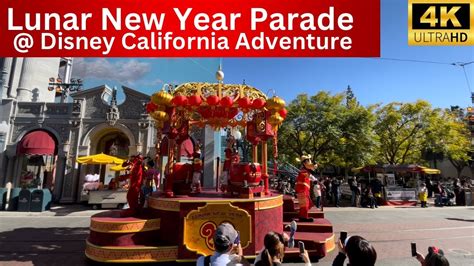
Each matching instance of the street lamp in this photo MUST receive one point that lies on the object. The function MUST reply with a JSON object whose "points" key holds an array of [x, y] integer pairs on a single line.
{"points": [[64, 88]]}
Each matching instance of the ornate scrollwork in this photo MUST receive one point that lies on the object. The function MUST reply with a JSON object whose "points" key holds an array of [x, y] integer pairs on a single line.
{"points": [[232, 90]]}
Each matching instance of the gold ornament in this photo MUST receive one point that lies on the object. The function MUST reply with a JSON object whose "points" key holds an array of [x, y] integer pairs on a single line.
{"points": [[160, 116], [275, 103], [162, 98], [275, 119]]}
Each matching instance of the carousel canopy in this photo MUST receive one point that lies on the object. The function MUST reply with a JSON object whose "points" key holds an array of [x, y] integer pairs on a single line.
{"points": [[216, 104], [99, 159]]}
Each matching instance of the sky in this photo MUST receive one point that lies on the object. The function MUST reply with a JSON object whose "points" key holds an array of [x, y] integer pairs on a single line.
{"points": [[373, 80]]}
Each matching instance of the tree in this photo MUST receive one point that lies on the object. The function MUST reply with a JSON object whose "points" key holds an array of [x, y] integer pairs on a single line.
{"points": [[334, 129], [401, 130], [357, 142], [450, 136]]}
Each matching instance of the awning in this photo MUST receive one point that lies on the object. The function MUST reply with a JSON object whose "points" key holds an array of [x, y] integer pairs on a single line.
{"points": [[99, 159], [37, 143], [429, 171], [118, 168]]}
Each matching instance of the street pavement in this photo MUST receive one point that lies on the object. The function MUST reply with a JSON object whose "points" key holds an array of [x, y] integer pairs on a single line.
{"points": [[57, 237]]}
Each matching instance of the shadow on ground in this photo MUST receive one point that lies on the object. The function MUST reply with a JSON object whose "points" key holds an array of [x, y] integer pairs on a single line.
{"points": [[461, 220], [43, 246], [65, 210]]}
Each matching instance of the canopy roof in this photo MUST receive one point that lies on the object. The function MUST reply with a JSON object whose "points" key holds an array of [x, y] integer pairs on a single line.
{"points": [[37, 143], [100, 159], [118, 168]]}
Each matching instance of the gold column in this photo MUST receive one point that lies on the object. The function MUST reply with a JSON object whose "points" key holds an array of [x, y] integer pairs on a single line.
{"points": [[255, 153], [264, 166]]}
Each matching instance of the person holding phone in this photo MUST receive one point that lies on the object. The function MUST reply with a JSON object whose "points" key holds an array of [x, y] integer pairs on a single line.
{"points": [[228, 250], [274, 251], [357, 249], [435, 256]]}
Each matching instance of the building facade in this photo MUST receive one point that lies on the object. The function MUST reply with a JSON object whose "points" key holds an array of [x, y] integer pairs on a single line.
{"points": [[41, 136]]}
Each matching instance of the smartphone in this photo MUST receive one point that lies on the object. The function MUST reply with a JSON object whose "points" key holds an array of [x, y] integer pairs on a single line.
{"points": [[301, 246], [237, 239], [413, 249], [343, 237]]}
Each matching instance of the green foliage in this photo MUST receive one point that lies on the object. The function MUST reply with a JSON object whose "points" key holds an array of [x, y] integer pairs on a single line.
{"points": [[401, 130], [337, 131]]}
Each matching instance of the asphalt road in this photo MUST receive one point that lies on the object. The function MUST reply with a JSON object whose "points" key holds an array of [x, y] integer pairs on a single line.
{"points": [[57, 237]]}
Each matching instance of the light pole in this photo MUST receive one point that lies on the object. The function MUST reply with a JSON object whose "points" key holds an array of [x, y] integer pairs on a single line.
{"points": [[64, 88]]}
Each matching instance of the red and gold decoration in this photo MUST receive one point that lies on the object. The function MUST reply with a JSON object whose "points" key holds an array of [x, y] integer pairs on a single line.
{"points": [[207, 219], [180, 221], [217, 105]]}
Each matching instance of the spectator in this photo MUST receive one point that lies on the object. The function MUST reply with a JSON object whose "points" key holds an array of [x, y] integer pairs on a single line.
{"points": [[359, 251], [459, 192], [377, 191], [327, 184], [435, 257], [423, 195], [371, 198], [336, 190], [358, 191], [429, 187], [275, 250], [353, 186], [224, 243], [317, 193]]}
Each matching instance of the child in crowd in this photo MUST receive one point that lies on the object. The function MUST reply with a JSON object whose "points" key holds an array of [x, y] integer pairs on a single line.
{"points": [[423, 195]]}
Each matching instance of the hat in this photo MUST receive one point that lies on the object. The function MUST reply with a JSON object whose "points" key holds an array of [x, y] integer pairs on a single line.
{"points": [[303, 158], [225, 235]]}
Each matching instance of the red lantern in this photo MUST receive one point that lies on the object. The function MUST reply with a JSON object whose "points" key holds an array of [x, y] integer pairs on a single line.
{"points": [[227, 101], [151, 107], [213, 100], [219, 112], [179, 100], [232, 113], [258, 103], [194, 100], [283, 112], [205, 112], [244, 102]]}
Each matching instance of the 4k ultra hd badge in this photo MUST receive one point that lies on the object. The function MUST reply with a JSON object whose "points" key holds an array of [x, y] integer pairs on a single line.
{"points": [[448, 22]]}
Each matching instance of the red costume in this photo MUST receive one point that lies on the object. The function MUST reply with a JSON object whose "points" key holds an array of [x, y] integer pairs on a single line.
{"points": [[135, 197], [303, 187]]}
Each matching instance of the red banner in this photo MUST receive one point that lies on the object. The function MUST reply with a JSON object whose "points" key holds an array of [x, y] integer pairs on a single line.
{"points": [[190, 28]]}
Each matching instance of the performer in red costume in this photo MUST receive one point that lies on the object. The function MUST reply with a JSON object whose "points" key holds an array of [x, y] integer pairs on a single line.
{"points": [[303, 186], [135, 197]]}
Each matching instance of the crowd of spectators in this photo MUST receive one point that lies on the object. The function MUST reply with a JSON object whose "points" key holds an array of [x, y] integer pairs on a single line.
{"points": [[356, 249]]}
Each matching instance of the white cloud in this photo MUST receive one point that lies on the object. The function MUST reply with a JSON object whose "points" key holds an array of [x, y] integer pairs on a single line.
{"points": [[125, 72]]}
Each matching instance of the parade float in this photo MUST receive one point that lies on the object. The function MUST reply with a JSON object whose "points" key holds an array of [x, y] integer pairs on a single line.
{"points": [[179, 222]]}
